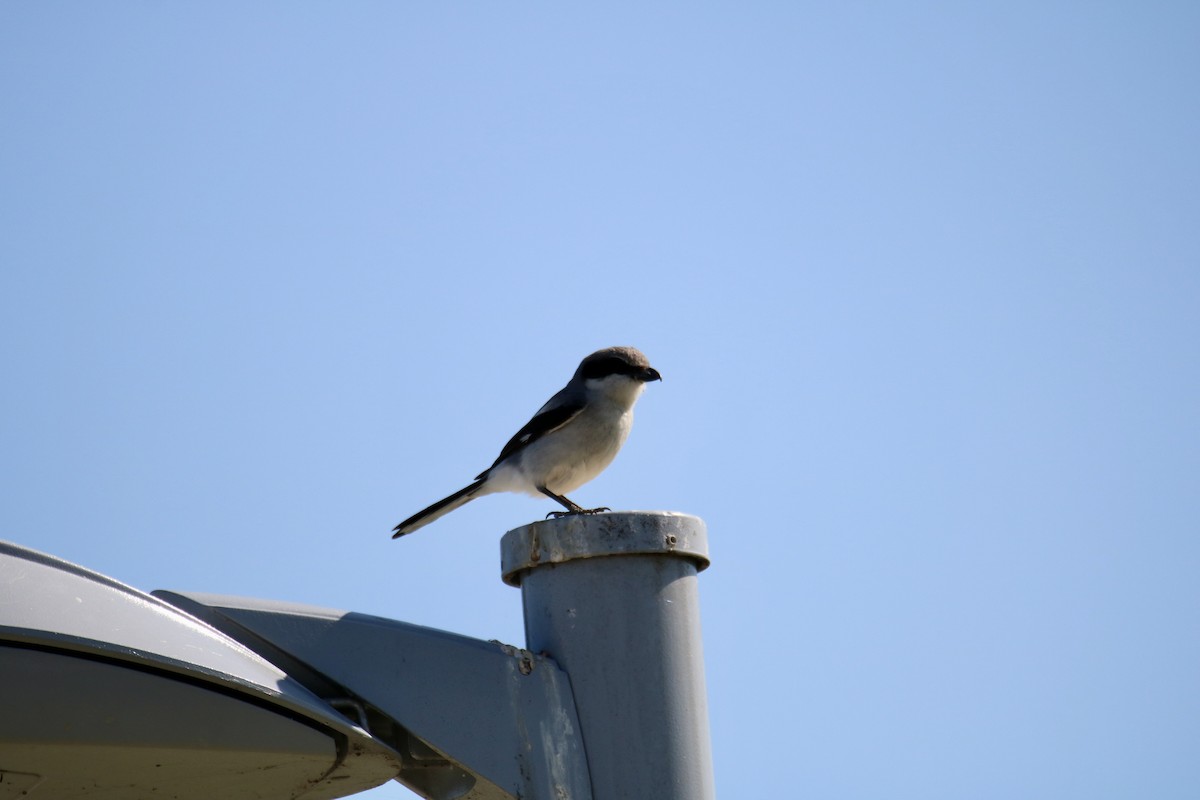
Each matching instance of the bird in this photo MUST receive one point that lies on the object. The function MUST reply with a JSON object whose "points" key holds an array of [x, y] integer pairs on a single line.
{"points": [[570, 440]]}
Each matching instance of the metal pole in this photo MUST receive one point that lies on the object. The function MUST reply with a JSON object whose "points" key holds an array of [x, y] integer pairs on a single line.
{"points": [[613, 598]]}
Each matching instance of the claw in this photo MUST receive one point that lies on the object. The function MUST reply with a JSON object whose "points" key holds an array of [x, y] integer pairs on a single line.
{"points": [[558, 514]]}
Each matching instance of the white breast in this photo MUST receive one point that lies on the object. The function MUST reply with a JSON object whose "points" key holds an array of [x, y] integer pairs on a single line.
{"points": [[569, 457]]}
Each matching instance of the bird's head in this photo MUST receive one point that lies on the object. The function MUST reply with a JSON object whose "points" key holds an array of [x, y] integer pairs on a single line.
{"points": [[619, 372]]}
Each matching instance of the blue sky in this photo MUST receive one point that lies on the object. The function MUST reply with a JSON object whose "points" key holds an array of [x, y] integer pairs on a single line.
{"points": [[923, 282]]}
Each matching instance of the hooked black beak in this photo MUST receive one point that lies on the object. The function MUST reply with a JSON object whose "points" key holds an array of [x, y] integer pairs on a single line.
{"points": [[650, 374]]}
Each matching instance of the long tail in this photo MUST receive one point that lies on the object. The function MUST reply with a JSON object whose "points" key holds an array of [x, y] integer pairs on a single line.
{"points": [[438, 509]]}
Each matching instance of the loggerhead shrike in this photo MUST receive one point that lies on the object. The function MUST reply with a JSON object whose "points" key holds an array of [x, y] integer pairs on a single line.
{"points": [[569, 441]]}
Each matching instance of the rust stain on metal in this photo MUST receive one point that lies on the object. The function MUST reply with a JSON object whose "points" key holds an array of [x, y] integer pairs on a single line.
{"points": [[525, 663]]}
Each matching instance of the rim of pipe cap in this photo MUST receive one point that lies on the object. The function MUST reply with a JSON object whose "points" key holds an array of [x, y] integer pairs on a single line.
{"points": [[611, 533]]}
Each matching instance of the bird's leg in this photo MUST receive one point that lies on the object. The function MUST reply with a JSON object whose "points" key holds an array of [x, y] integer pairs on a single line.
{"points": [[567, 503]]}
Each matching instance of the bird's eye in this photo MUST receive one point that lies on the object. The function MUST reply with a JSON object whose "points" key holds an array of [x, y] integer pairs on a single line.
{"points": [[603, 367]]}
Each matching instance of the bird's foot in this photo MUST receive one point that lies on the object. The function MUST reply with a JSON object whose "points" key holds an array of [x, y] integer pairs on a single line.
{"points": [[557, 514]]}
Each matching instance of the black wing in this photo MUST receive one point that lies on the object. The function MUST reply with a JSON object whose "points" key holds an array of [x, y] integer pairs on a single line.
{"points": [[546, 420]]}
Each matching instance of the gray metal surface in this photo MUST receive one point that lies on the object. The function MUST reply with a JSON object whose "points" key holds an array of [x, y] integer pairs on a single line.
{"points": [[107, 692], [595, 536], [613, 598], [476, 720], [102, 731]]}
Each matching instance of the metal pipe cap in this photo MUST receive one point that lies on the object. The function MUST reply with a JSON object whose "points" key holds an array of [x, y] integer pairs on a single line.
{"points": [[621, 533]]}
